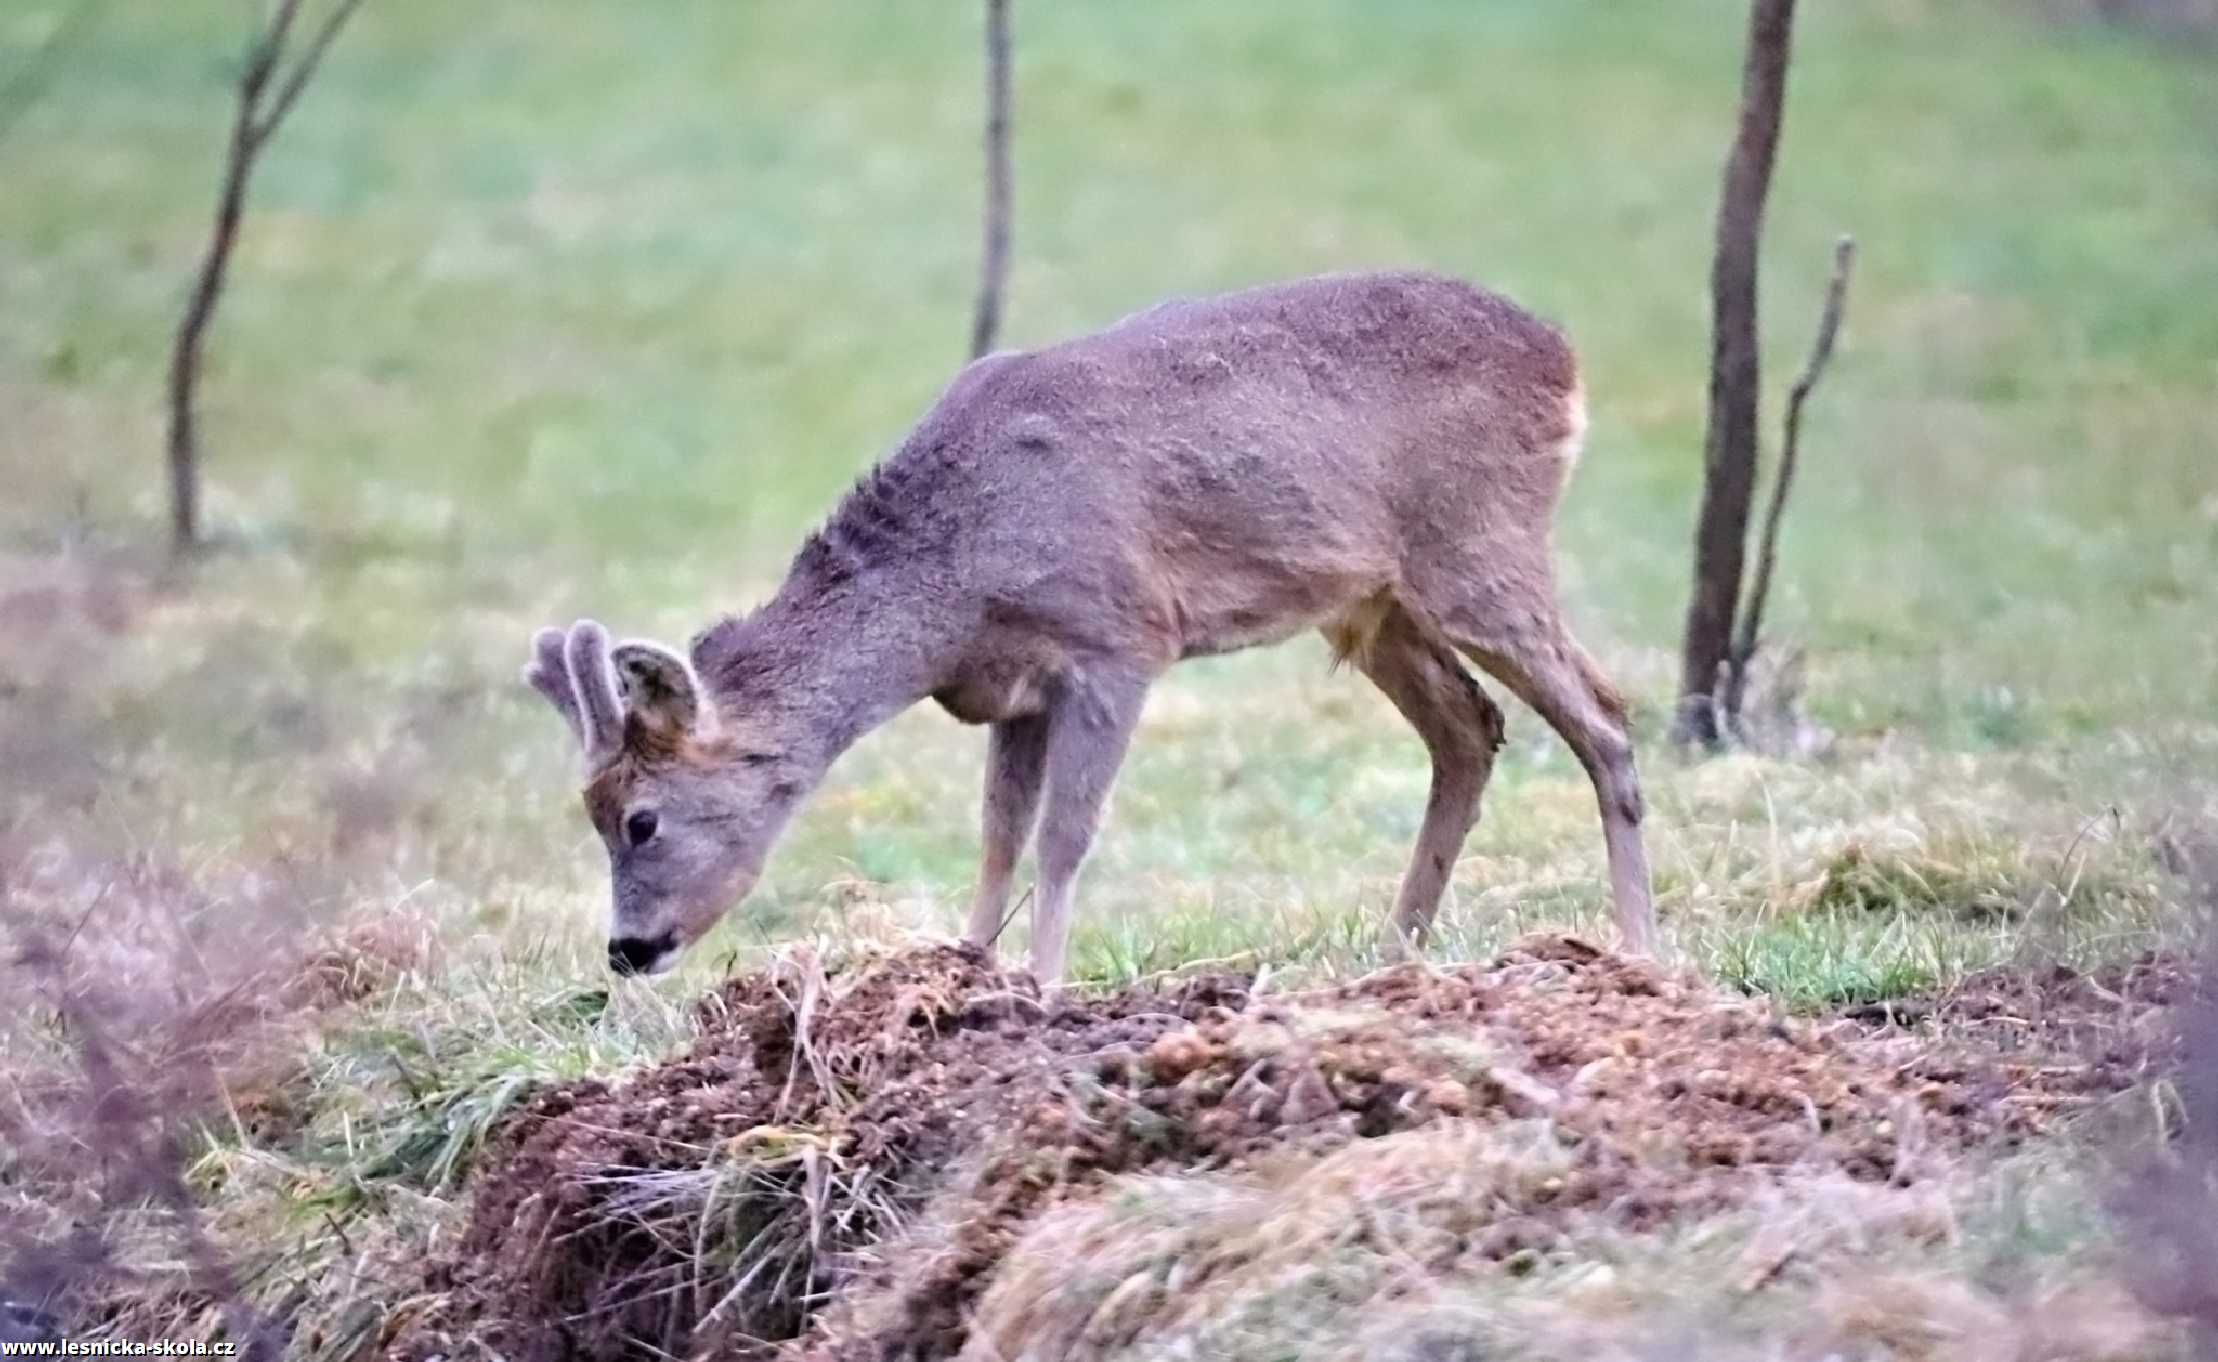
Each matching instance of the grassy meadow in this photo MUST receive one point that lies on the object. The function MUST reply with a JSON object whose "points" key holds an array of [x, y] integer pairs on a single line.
{"points": [[592, 309]]}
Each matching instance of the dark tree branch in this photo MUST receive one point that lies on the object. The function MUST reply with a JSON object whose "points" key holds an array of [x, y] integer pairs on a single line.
{"points": [[993, 266], [1767, 557], [304, 68], [263, 52], [255, 119], [1729, 452]]}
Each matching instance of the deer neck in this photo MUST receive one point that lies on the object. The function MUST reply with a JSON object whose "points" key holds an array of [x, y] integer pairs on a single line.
{"points": [[820, 665]]}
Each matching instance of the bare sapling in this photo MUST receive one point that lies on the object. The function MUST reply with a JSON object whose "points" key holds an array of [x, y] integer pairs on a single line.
{"points": [[1735, 687], [1377, 457], [267, 92], [993, 259]]}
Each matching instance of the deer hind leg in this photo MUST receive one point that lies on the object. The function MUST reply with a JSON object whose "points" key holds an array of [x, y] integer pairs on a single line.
{"points": [[1090, 727], [1461, 729], [1510, 626], [1016, 763]]}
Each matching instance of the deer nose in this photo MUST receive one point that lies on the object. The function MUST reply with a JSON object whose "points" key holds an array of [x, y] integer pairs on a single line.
{"points": [[638, 954]]}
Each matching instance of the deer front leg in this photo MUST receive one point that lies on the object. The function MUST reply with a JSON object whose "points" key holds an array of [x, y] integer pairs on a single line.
{"points": [[1016, 761], [1089, 727]]}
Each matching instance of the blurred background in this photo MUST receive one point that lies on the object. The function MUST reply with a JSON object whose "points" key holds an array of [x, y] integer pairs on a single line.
{"points": [[541, 311], [595, 308]]}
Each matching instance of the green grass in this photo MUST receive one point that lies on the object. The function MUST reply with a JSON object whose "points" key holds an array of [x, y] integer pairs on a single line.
{"points": [[543, 312], [537, 318]]}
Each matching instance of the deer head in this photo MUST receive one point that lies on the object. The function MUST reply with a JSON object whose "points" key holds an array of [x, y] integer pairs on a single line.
{"points": [[686, 805]]}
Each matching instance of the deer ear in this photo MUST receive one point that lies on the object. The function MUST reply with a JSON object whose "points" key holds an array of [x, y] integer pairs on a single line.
{"points": [[662, 691], [548, 674], [600, 709]]}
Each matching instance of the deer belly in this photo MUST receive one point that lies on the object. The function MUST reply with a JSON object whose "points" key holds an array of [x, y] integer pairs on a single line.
{"points": [[1252, 610], [994, 692]]}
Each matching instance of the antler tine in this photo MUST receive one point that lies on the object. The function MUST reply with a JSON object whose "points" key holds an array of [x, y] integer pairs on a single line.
{"points": [[600, 708], [548, 674]]}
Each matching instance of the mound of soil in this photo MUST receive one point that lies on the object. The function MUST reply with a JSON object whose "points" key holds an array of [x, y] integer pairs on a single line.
{"points": [[841, 1164], [2057, 1039], [706, 1205]]}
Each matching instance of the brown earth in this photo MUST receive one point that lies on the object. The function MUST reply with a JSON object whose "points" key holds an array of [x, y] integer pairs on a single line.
{"points": [[840, 1165], [2055, 1039]]}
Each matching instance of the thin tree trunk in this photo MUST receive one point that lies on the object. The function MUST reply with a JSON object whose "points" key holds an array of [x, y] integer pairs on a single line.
{"points": [[993, 266], [253, 124], [192, 329], [1729, 452]]}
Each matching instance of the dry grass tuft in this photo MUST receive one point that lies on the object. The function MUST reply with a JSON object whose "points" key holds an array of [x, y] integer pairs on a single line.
{"points": [[715, 1200], [1364, 1254], [1916, 1317], [1220, 1266], [152, 1008]]}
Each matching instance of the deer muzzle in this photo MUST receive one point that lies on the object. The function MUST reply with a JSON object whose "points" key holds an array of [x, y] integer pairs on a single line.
{"points": [[629, 955]]}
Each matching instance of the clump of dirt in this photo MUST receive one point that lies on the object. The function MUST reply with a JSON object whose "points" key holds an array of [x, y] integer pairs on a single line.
{"points": [[1388, 1250], [841, 1166], [1672, 1102], [709, 1203], [2059, 1037]]}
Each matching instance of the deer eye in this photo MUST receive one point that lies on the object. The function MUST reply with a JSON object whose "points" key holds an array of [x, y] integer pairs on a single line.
{"points": [[639, 828]]}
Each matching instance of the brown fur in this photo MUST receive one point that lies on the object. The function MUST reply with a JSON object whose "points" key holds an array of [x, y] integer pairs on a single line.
{"points": [[1378, 456]]}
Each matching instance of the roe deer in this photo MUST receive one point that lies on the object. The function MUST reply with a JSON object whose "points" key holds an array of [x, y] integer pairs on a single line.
{"points": [[1377, 456]]}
